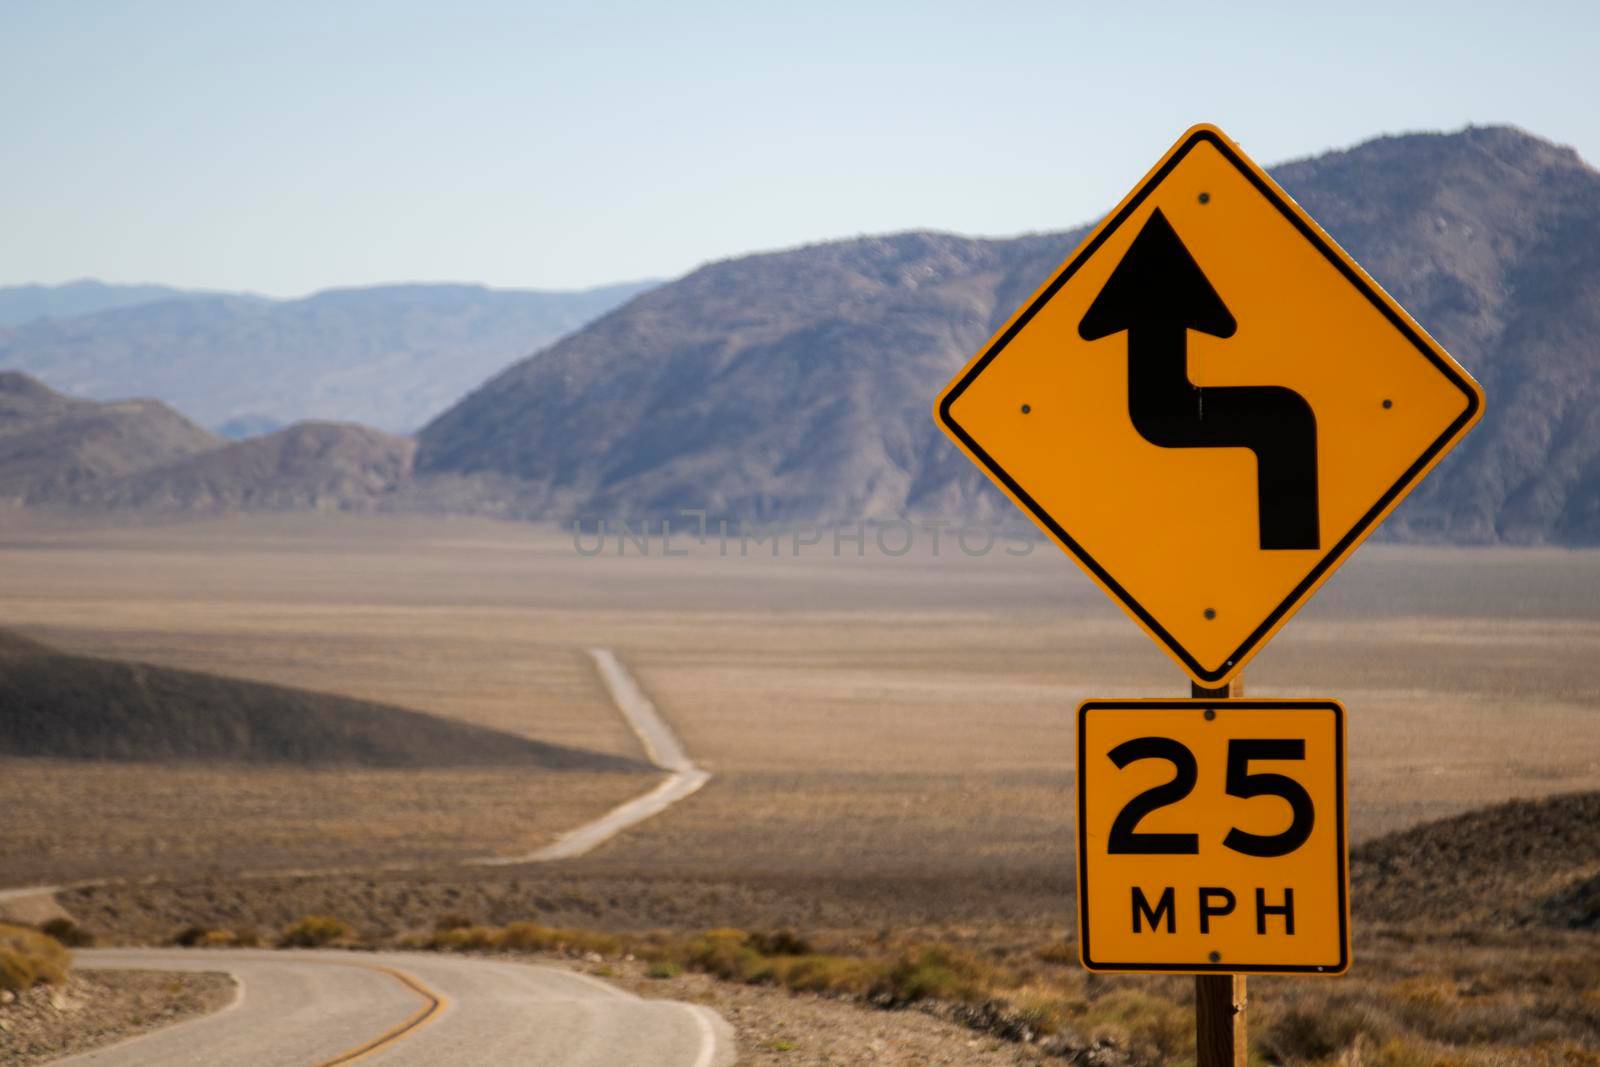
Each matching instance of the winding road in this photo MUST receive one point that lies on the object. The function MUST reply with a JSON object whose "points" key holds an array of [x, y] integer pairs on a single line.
{"points": [[661, 747], [327, 1008], [295, 1009]]}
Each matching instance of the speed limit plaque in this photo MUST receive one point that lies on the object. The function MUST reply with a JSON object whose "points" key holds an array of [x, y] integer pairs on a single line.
{"points": [[1211, 836]]}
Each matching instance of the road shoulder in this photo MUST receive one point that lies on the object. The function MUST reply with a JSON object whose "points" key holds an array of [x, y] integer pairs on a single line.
{"points": [[776, 1026], [94, 1009]]}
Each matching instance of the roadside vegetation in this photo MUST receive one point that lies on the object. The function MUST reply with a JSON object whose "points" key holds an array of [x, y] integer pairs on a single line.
{"points": [[1531, 999], [1440, 1000], [29, 957]]}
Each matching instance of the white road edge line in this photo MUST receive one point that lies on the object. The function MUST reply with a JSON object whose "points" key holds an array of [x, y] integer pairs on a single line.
{"points": [[708, 1035]]}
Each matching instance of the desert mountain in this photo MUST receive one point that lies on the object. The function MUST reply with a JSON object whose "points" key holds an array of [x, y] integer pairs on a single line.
{"points": [[52, 445], [310, 466], [77, 707], [390, 356], [797, 385]]}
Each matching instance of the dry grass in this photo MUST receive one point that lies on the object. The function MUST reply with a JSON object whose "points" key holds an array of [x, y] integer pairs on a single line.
{"points": [[67, 821], [867, 719], [860, 714], [28, 957], [314, 931], [425, 616], [1510, 999]]}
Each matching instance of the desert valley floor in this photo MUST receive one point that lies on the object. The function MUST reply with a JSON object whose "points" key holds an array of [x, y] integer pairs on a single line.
{"points": [[890, 738]]}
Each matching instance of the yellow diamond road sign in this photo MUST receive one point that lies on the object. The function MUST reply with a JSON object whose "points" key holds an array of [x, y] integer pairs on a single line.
{"points": [[1209, 405], [1211, 836]]}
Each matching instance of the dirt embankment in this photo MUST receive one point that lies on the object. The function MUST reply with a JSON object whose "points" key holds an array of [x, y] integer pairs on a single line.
{"points": [[95, 1008]]}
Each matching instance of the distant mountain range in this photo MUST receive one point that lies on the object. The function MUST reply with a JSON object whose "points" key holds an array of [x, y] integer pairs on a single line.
{"points": [[796, 385], [24, 303], [389, 356]]}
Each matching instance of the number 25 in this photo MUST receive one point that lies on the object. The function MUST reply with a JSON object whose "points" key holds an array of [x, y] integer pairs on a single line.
{"points": [[1126, 840]]}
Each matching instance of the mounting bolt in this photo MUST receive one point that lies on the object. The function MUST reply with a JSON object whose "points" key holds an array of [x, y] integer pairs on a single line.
{"points": [[1205, 198], [1211, 613], [1211, 713], [1215, 957], [1027, 408], [1387, 403]]}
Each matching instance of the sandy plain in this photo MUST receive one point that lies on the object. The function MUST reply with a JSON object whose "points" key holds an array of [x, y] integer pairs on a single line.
{"points": [[865, 716]]}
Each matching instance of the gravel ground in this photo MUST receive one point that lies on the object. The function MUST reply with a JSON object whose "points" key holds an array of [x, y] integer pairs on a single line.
{"points": [[776, 1026], [97, 1008]]}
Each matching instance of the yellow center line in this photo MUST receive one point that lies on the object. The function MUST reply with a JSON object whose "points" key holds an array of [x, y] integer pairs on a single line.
{"points": [[434, 1006]]}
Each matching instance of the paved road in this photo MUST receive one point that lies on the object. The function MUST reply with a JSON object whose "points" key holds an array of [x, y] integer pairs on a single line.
{"points": [[325, 1008], [317, 1009], [661, 746]]}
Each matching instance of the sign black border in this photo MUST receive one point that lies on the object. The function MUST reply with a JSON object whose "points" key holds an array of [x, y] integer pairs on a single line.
{"points": [[1322, 243], [1329, 970]]}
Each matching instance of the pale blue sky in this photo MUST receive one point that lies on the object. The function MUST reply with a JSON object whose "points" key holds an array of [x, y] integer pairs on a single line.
{"points": [[287, 147]]}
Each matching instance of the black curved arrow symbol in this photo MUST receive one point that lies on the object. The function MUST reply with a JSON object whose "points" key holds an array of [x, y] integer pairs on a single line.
{"points": [[1158, 293]]}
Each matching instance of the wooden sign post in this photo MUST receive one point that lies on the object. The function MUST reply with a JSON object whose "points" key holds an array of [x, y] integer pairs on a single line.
{"points": [[1221, 1026]]}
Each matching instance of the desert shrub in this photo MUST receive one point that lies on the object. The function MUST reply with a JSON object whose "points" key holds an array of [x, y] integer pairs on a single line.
{"points": [[726, 954], [527, 936], [452, 920], [1401, 1053], [935, 973], [523, 937], [1044, 1014], [533, 937], [1151, 1027], [190, 936], [570, 940], [68, 933], [246, 937], [663, 969], [1064, 953], [1309, 1034], [313, 931], [28, 957], [465, 939], [832, 975], [779, 943]]}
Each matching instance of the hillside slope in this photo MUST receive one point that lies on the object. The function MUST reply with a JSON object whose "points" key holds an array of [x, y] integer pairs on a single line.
{"points": [[311, 466], [52, 445], [797, 384], [1526, 863], [76, 707], [389, 356]]}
